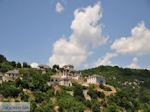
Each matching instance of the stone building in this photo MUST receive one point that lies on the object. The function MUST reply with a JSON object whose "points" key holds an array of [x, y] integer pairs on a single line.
{"points": [[96, 79], [11, 75]]}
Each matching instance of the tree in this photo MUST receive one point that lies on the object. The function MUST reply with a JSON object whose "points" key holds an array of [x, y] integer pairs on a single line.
{"points": [[9, 90], [5, 66], [78, 92], [95, 106], [24, 96], [68, 103], [2, 58], [13, 63], [111, 108], [47, 106], [33, 106], [93, 94], [39, 96], [18, 65], [56, 67], [25, 65]]}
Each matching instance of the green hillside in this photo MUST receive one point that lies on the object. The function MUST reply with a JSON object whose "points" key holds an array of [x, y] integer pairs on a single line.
{"points": [[133, 87], [132, 90]]}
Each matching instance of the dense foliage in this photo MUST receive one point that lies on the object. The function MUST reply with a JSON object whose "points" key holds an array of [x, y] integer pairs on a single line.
{"points": [[133, 86]]}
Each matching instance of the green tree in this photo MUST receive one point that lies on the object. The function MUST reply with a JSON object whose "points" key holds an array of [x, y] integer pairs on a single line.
{"points": [[24, 96], [39, 96], [9, 90], [5, 66], [25, 65], [13, 63], [2, 58], [18, 65], [95, 106], [78, 92], [68, 103]]}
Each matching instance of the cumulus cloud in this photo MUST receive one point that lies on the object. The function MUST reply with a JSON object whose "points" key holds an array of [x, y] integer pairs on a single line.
{"points": [[137, 43], [106, 59], [134, 64], [86, 30], [65, 52], [34, 65], [59, 7], [86, 34]]}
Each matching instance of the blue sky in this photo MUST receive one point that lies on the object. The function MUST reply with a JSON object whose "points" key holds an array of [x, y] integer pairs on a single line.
{"points": [[29, 30]]}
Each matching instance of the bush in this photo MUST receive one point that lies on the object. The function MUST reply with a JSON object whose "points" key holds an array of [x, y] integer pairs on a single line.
{"points": [[39, 96], [9, 90], [78, 92], [93, 94], [105, 88], [24, 97], [101, 94], [68, 103]]}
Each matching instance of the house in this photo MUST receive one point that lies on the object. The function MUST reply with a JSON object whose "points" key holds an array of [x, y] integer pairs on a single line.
{"points": [[1, 78], [96, 79], [43, 68], [57, 79], [77, 76], [65, 82], [11, 75], [54, 79], [68, 70]]}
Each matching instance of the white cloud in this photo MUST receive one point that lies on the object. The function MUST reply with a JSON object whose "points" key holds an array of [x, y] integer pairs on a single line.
{"points": [[65, 52], [134, 63], [86, 30], [137, 43], [59, 7], [34, 65], [106, 59], [86, 33]]}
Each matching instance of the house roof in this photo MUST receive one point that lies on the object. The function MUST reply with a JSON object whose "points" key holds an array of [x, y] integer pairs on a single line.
{"points": [[44, 66], [70, 66], [55, 76], [65, 79], [13, 72], [97, 76]]}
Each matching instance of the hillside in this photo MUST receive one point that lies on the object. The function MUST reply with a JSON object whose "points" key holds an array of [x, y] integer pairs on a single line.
{"points": [[125, 89], [133, 86]]}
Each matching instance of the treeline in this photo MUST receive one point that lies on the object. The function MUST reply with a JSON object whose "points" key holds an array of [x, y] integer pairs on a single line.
{"points": [[6, 65]]}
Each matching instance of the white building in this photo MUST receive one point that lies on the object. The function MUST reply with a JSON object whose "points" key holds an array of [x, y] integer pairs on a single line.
{"points": [[65, 82], [96, 79], [54, 79]]}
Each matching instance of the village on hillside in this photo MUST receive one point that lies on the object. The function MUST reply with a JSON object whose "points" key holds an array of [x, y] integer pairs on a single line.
{"points": [[64, 77], [65, 88]]}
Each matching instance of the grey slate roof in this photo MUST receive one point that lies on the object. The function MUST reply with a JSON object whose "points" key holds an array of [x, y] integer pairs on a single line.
{"points": [[13, 72], [98, 76]]}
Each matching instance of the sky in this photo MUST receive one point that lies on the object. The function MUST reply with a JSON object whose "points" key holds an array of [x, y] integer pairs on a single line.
{"points": [[85, 33]]}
